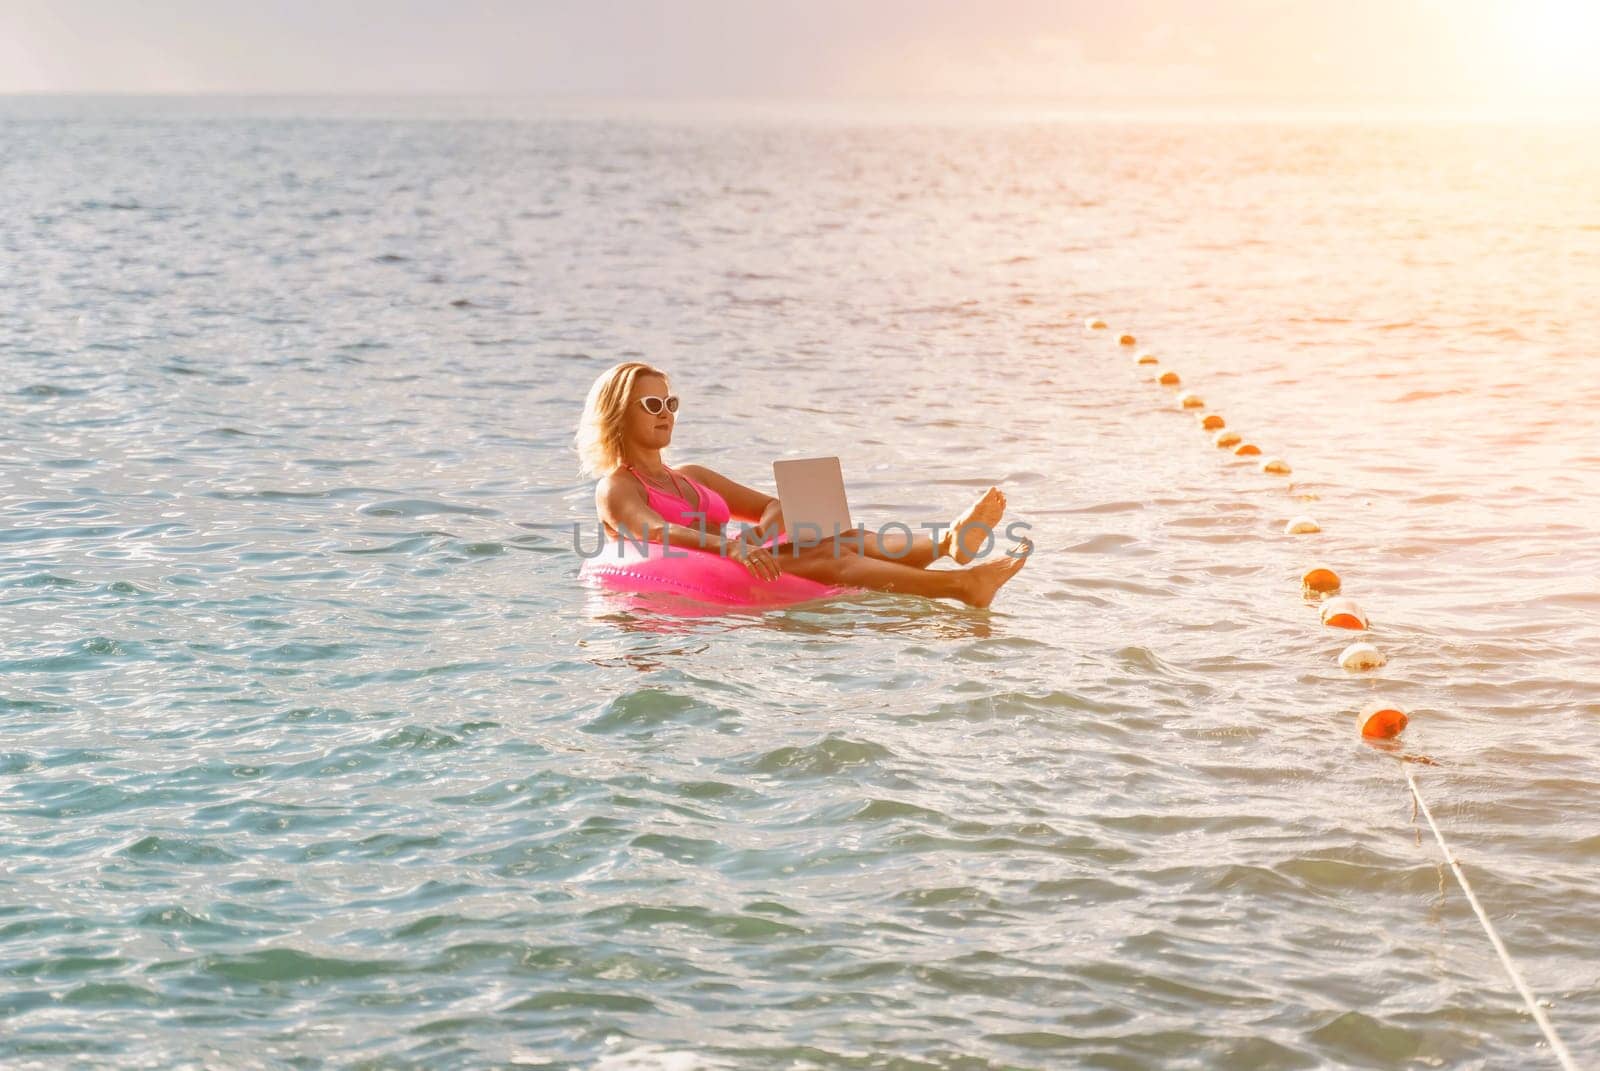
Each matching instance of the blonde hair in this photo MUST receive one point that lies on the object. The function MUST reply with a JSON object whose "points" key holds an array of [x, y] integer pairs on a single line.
{"points": [[599, 438]]}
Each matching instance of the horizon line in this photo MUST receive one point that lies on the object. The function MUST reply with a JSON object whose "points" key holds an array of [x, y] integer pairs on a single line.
{"points": [[923, 105]]}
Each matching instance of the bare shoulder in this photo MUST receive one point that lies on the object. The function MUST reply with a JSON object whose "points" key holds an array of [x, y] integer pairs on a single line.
{"points": [[614, 484], [706, 475]]}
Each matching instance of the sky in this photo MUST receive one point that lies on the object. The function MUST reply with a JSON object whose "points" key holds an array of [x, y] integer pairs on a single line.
{"points": [[1366, 56]]}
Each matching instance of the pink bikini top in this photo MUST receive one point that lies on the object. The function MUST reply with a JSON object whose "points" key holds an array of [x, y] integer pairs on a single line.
{"points": [[675, 509]]}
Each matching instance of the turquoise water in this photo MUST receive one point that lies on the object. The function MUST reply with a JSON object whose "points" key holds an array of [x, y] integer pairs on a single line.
{"points": [[316, 752]]}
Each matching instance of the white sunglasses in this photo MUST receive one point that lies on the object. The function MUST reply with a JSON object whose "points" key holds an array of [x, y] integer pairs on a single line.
{"points": [[654, 405]]}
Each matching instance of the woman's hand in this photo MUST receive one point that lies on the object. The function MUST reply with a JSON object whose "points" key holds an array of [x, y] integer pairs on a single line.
{"points": [[756, 559]]}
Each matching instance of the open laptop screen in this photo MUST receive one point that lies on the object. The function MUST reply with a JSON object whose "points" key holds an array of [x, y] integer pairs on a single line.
{"points": [[811, 491]]}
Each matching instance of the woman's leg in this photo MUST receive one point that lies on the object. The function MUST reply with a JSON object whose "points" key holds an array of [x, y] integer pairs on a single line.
{"points": [[896, 545], [900, 544], [975, 586]]}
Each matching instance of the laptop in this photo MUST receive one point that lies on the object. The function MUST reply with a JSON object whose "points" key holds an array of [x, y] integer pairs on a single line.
{"points": [[811, 492]]}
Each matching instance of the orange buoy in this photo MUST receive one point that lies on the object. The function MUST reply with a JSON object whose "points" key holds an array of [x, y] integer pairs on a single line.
{"points": [[1226, 438], [1344, 613], [1211, 421], [1126, 340], [1247, 450], [1094, 323], [1169, 379], [1146, 358], [1301, 525], [1381, 721], [1323, 581], [1191, 401], [1276, 465]]}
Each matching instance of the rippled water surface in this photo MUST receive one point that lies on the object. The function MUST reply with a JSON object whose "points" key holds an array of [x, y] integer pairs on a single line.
{"points": [[315, 752]]}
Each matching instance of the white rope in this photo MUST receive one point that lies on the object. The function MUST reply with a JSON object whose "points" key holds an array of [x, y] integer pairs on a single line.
{"points": [[1560, 1050]]}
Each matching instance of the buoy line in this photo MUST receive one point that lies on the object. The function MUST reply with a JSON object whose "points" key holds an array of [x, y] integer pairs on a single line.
{"points": [[1562, 1055], [1378, 721]]}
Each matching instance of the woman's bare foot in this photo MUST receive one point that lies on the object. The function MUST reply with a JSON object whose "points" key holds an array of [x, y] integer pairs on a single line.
{"points": [[983, 515], [986, 579]]}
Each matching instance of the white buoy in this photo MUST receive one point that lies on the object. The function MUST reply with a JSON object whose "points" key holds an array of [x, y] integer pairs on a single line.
{"points": [[1301, 526], [1094, 323], [1225, 438], [1361, 656], [1146, 358], [1276, 465], [1191, 401]]}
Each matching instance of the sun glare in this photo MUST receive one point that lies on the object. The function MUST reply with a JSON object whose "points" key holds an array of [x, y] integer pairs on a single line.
{"points": [[1560, 40]]}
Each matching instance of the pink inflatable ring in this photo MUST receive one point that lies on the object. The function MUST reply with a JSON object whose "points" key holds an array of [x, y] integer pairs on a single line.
{"points": [[699, 575]]}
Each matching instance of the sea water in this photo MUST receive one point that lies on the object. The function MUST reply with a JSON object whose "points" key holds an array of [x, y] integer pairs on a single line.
{"points": [[315, 752]]}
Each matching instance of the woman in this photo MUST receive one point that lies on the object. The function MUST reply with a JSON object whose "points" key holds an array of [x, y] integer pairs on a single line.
{"points": [[628, 421]]}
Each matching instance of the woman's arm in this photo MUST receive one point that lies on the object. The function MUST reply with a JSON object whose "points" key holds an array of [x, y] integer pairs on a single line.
{"points": [[625, 510], [744, 503]]}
